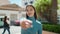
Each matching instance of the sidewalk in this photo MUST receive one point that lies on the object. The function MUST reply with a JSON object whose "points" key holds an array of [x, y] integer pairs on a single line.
{"points": [[17, 30], [46, 32]]}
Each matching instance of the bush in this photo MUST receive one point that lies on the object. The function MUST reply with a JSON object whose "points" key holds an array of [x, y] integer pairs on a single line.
{"points": [[51, 28]]}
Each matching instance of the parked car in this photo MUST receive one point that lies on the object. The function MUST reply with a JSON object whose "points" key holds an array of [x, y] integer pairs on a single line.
{"points": [[17, 22], [1, 22]]}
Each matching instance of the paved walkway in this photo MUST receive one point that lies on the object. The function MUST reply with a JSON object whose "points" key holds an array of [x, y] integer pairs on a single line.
{"points": [[17, 30], [46, 32]]}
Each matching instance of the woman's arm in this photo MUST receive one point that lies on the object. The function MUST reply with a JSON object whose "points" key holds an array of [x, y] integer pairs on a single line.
{"points": [[40, 29]]}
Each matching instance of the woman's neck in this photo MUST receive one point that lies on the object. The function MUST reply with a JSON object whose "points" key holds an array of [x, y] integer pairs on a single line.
{"points": [[31, 16]]}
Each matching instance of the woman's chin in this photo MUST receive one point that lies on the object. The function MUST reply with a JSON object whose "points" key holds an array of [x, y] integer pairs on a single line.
{"points": [[30, 16]]}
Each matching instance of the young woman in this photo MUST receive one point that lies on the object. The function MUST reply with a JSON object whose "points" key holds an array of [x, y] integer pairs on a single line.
{"points": [[31, 15], [6, 25]]}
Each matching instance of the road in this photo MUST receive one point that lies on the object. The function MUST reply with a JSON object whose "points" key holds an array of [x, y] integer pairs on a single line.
{"points": [[17, 30]]}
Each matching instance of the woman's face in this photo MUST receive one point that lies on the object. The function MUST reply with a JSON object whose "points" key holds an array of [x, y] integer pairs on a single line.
{"points": [[30, 11]]}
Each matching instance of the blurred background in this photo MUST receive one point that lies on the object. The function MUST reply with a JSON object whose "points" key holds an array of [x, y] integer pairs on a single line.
{"points": [[48, 12]]}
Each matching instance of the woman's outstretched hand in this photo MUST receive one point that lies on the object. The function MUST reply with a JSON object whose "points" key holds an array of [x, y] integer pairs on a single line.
{"points": [[25, 24]]}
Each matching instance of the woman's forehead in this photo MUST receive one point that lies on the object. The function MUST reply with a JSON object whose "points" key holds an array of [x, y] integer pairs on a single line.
{"points": [[29, 7]]}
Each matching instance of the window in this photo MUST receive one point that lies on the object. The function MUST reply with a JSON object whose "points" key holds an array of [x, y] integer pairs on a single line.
{"points": [[1, 19]]}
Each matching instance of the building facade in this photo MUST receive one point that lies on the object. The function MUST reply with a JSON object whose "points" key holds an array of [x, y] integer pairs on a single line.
{"points": [[14, 12], [4, 2]]}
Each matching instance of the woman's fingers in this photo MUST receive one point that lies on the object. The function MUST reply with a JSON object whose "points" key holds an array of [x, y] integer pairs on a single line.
{"points": [[24, 25], [28, 25]]}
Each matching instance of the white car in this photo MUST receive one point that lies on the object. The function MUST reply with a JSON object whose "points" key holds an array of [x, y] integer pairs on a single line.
{"points": [[1, 22]]}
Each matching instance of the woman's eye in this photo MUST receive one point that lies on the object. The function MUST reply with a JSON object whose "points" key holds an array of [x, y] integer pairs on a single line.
{"points": [[30, 9], [26, 10]]}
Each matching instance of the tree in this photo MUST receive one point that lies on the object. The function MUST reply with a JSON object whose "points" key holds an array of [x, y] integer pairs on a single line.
{"points": [[45, 8], [42, 7], [53, 11]]}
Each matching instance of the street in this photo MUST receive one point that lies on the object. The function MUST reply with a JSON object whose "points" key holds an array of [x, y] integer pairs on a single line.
{"points": [[17, 30]]}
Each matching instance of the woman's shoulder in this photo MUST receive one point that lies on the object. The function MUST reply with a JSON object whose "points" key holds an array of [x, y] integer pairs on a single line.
{"points": [[38, 22]]}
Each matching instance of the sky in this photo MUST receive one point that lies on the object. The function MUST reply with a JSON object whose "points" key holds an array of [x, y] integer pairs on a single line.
{"points": [[18, 2]]}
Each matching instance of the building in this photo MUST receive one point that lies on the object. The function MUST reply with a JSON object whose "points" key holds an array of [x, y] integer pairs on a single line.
{"points": [[4, 2], [13, 11]]}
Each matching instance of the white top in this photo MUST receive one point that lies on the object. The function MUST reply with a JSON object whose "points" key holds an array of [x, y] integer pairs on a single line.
{"points": [[8, 21]]}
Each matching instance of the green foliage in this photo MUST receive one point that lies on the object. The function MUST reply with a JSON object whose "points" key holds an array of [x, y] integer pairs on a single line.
{"points": [[51, 28], [58, 7], [41, 5], [58, 1], [58, 4]]}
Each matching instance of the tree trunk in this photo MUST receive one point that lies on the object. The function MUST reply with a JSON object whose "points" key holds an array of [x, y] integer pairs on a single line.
{"points": [[53, 12]]}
